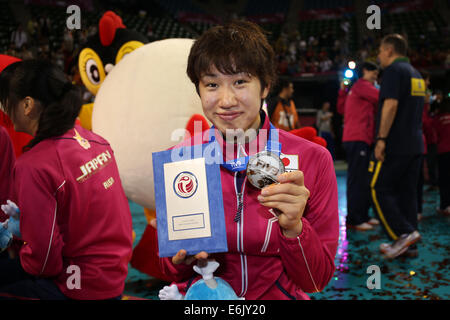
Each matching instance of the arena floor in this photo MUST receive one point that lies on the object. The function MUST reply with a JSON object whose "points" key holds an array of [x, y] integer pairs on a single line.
{"points": [[424, 277]]}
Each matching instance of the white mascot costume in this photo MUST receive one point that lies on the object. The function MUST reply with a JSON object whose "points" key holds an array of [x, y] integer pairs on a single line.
{"points": [[144, 101]]}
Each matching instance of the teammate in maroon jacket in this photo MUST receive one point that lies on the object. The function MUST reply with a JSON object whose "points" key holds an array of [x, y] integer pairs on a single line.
{"points": [[74, 216], [6, 166], [359, 106], [270, 256], [442, 126]]}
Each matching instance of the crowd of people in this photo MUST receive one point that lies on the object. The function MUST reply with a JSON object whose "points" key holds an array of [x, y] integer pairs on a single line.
{"points": [[330, 51], [295, 53], [34, 41], [298, 54]]}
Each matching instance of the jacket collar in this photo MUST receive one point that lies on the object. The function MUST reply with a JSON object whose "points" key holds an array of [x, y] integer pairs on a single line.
{"points": [[233, 150]]}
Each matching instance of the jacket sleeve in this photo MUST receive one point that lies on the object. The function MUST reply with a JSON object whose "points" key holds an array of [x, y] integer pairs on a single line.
{"points": [[7, 160], [309, 258], [340, 106], [370, 93], [176, 273], [35, 195]]}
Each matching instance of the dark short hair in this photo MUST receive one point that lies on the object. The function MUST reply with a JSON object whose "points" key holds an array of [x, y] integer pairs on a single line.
{"points": [[398, 42], [284, 83], [281, 84], [239, 46], [370, 66], [367, 65]]}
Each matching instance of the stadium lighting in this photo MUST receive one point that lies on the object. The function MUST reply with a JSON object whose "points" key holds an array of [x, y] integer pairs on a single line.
{"points": [[352, 65], [348, 73]]}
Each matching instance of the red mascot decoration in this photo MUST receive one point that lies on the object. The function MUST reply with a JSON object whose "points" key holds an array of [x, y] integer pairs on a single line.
{"points": [[309, 133]]}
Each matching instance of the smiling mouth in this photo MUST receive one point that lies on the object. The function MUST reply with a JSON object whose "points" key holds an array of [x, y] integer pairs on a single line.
{"points": [[229, 116]]}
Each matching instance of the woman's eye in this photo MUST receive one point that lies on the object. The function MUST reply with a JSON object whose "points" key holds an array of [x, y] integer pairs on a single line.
{"points": [[211, 85], [240, 81]]}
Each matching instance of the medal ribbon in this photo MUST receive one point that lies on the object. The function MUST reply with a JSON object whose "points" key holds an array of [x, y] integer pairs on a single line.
{"points": [[239, 164]]}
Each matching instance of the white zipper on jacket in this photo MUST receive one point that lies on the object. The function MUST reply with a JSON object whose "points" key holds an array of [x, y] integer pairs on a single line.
{"points": [[307, 265], [268, 233], [53, 229], [240, 235]]}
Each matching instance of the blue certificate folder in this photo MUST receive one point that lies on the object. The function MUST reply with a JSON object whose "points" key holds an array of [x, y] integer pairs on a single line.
{"points": [[217, 242]]}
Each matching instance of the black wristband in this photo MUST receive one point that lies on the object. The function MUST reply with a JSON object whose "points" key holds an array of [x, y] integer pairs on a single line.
{"points": [[380, 138]]}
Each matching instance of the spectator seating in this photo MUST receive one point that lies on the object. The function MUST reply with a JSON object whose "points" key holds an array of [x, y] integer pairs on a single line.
{"points": [[7, 25]]}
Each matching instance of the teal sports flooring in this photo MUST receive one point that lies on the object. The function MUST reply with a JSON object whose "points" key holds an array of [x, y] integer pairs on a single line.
{"points": [[426, 277]]}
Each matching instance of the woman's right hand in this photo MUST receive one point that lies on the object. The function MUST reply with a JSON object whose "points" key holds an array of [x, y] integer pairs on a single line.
{"points": [[182, 257]]}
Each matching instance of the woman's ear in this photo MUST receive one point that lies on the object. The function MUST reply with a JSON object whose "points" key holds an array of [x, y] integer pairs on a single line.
{"points": [[265, 92], [30, 107]]}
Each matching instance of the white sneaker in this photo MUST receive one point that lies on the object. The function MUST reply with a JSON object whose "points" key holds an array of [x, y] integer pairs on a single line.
{"points": [[399, 246], [361, 227]]}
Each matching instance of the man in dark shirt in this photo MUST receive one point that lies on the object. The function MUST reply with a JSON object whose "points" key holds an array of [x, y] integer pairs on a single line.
{"points": [[398, 147]]}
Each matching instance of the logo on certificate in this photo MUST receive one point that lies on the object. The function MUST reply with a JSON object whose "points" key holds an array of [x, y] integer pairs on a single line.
{"points": [[185, 184]]}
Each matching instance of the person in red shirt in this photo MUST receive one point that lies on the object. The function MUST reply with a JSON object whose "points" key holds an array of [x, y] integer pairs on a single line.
{"points": [[270, 256], [442, 126], [358, 106], [430, 135], [74, 216]]}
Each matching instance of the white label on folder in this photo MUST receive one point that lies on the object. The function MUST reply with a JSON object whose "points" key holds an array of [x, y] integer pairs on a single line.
{"points": [[187, 199], [189, 222]]}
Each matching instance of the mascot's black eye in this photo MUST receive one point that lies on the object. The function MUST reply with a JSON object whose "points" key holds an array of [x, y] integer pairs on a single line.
{"points": [[92, 71]]}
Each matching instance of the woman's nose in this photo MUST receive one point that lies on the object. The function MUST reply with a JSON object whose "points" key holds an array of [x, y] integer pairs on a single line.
{"points": [[227, 98]]}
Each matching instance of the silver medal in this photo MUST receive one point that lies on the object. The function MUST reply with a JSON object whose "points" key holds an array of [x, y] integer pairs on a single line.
{"points": [[263, 169]]}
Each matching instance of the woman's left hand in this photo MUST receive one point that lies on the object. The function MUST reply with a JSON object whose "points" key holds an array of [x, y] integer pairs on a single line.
{"points": [[13, 222], [289, 196]]}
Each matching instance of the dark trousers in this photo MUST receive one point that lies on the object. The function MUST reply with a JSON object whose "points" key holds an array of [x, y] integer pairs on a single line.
{"points": [[394, 193], [15, 283], [330, 141], [444, 179], [358, 178], [432, 164]]}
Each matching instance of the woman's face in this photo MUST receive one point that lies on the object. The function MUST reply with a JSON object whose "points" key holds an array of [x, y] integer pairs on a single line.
{"points": [[231, 101], [25, 117]]}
